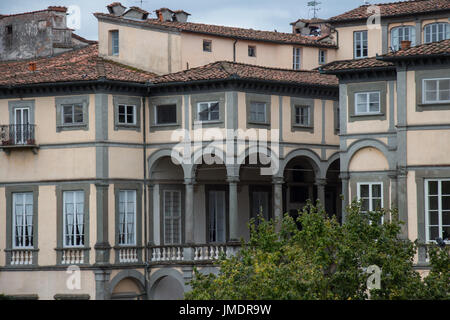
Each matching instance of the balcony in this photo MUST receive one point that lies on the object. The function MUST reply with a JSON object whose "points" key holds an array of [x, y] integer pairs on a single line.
{"points": [[18, 137]]}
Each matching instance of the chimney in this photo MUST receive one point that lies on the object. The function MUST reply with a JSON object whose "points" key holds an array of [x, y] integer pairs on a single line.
{"points": [[405, 44], [164, 14], [180, 16], [32, 66]]}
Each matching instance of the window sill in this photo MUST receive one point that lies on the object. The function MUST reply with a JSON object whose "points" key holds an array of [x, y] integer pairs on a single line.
{"points": [[68, 127], [368, 114], [132, 127], [208, 122], [302, 128], [259, 123]]}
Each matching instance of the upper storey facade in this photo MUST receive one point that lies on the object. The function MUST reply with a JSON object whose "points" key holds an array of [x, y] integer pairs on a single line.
{"points": [[378, 29], [170, 44]]}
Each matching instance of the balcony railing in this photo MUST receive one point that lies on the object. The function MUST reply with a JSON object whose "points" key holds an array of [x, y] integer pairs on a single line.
{"points": [[17, 136]]}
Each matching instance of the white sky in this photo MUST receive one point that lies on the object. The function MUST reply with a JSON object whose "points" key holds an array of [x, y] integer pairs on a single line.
{"points": [[257, 14]]}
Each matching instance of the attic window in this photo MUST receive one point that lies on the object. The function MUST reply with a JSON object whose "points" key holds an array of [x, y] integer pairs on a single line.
{"points": [[251, 51], [9, 30], [207, 45]]}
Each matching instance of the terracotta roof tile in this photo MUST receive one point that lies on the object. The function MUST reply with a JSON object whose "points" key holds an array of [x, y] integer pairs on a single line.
{"points": [[394, 9], [77, 65], [346, 65], [232, 32], [433, 48], [227, 70]]}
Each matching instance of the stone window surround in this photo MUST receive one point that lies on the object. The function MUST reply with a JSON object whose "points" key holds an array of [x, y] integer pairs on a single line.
{"points": [[420, 75], [218, 187], [138, 221], [353, 88], [60, 102], [129, 101], [264, 98], [172, 187], [12, 105], [9, 218], [160, 101], [302, 102], [59, 190], [208, 97]]}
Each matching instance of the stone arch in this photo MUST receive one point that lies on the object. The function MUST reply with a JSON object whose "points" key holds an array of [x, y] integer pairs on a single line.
{"points": [[157, 155], [313, 158], [198, 155], [138, 278], [335, 156], [368, 143], [162, 274]]}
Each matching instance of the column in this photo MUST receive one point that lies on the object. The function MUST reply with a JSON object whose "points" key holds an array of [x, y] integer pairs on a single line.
{"points": [[151, 233], [321, 183], [102, 246], [233, 206], [102, 284], [278, 200], [345, 177], [402, 200], [189, 210]]}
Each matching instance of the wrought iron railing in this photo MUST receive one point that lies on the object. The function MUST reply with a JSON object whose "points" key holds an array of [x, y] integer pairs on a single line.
{"points": [[17, 135]]}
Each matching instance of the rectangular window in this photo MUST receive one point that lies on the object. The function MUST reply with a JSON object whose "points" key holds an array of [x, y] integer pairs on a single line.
{"points": [[172, 217], [127, 114], [360, 44], [208, 111], [22, 220], [437, 32], [322, 57], [437, 209], [367, 103], [207, 45], [251, 51], [371, 196], [127, 217], [258, 112], [260, 204], [72, 114], [217, 217], [114, 42], [296, 59], [73, 216], [436, 90], [166, 114], [302, 116]]}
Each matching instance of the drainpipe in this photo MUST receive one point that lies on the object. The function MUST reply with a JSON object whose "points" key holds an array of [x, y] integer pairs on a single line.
{"points": [[144, 136], [234, 49]]}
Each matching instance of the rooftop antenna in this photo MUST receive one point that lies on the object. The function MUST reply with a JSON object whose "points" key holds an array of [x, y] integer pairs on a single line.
{"points": [[141, 3], [314, 7]]}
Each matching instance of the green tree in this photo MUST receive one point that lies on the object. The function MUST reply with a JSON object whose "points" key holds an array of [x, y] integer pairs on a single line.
{"points": [[324, 260]]}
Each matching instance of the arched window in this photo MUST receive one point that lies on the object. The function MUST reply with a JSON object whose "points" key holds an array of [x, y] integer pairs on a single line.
{"points": [[437, 32], [402, 33]]}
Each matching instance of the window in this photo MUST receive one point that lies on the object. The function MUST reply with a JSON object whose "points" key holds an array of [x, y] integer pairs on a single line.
{"points": [[207, 45], [437, 32], [436, 90], [302, 115], [22, 220], [322, 56], [9, 30], [400, 34], [260, 204], [296, 59], [437, 209], [72, 114], [73, 218], [217, 217], [166, 114], [367, 103], [127, 217], [127, 114], [208, 111], [371, 196], [360, 44], [258, 112], [251, 51], [114, 42], [172, 217]]}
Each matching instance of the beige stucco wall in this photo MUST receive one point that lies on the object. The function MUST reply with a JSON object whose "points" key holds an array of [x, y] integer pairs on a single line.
{"points": [[47, 225], [136, 43], [45, 283], [3, 224], [368, 159], [420, 150], [346, 47]]}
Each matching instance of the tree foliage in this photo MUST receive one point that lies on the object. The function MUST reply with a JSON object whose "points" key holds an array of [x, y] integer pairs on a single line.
{"points": [[325, 260]]}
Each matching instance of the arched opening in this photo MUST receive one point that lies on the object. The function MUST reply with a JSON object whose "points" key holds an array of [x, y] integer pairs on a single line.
{"points": [[167, 288], [333, 191], [128, 289]]}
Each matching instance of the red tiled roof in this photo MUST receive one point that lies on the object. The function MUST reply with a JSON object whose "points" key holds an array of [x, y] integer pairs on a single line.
{"points": [[51, 8], [77, 65], [433, 48], [80, 38], [346, 65], [394, 9], [231, 32], [222, 70]]}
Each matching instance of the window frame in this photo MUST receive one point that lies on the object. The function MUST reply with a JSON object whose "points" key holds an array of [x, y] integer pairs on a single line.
{"points": [[252, 49], [157, 106], [14, 246], [370, 197], [126, 114], [206, 41], [115, 46], [258, 103], [424, 101], [308, 108], [367, 112], [412, 36], [297, 58], [180, 217], [437, 24], [361, 42], [60, 102], [322, 56], [73, 123], [134, 242], [210, 103], [64, 220], [426, 209]]}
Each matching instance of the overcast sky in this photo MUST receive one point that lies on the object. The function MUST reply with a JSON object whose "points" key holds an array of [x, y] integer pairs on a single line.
{"points": [[256, 14]]}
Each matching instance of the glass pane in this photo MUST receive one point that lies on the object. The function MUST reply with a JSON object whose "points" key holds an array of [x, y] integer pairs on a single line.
{"points": [[433, 187], [121, 109], [433, 218], [376, 190], [446, 233], [445, 187], [434, 233], [445, 202], [433, 203], [365, 205], [446, 218], [78, 114], [166, 114], [376, 204], [130, 119], [364, 191]]}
